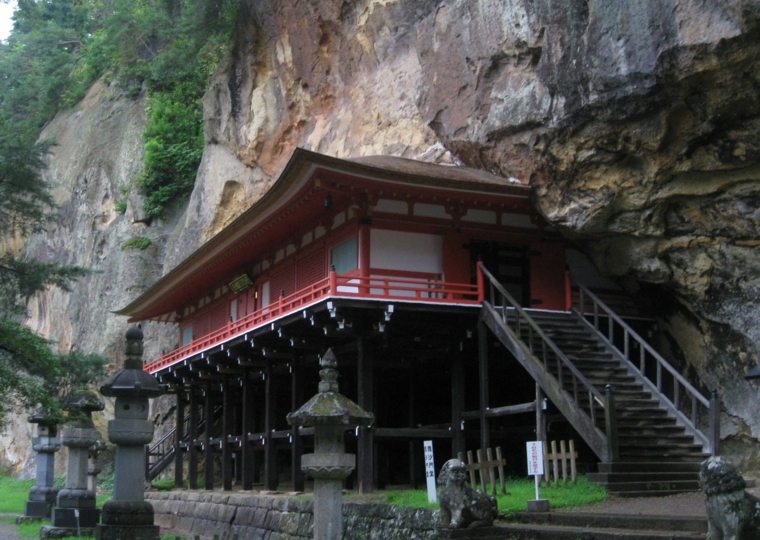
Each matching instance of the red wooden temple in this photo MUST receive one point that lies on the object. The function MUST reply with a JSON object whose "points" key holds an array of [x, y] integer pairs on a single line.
{"points": [[383, 259]]}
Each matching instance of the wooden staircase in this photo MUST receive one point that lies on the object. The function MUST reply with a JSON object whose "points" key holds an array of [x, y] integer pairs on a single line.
{"points": [[160, 454], [631, 415]]}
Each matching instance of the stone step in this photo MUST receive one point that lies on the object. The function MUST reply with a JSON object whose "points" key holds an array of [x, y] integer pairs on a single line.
{"points": [[652, 486], [650, 466], [536, 531], [646, 476], [627, 521]]}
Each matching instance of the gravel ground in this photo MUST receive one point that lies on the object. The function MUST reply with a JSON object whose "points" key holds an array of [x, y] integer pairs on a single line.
{"points": [[8, 530], [684, 504]]}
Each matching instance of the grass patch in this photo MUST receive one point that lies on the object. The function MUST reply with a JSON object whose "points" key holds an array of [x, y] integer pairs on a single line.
{"points": [[519, 491], [15, 494], [30, 529], [163, 484]]}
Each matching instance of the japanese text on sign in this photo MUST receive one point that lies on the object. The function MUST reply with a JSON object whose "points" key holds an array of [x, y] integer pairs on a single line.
{"points": [[535, 450], [429, 470]]}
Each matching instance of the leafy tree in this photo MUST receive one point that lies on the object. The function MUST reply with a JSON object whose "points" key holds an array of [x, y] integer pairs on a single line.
{"points": [[167, 48]]}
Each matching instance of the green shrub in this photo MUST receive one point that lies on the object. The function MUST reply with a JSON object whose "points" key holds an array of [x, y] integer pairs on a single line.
{"points": [[137, 242]]}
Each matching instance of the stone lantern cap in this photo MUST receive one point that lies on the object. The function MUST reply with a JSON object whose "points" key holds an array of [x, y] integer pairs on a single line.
{"points": [[329, 407], [84, 401], [131, 381], [42, 417]]}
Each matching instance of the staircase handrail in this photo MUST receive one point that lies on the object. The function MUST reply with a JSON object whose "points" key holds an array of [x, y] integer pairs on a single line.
{"points": [[710, 440], [157, 449], [595, 395]]}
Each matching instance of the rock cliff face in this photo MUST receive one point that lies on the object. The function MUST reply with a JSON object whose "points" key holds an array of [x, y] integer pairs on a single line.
{"points": [[636, 122]]}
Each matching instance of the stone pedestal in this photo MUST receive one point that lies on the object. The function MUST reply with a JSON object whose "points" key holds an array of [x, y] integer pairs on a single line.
{"points": [[46, 444], [538, 505], [75, 504], [127, 515], [331, 414]]}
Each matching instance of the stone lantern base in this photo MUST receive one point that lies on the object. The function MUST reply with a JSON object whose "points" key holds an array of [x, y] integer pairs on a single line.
{"points": [[41, 501], [127, 519]]}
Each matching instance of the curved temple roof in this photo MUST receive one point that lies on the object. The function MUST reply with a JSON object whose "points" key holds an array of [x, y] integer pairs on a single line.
{"points": [[294, 192]]}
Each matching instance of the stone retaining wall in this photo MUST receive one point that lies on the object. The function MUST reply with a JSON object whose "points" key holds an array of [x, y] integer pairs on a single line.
{"points": [[211, 515]]}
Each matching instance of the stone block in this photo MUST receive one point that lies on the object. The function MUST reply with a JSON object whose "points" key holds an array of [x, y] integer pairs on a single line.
{"points": [[38, 509], [67, 517], [140, 532], [538, 505]]}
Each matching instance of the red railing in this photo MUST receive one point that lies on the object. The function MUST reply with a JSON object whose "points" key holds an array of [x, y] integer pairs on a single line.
{"points": [[378, 287]]}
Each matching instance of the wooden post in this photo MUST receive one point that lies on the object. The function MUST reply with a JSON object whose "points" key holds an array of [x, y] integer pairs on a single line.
{"points": [[485, 438], [412, 443], [365, 444], [248, 429], [540, 416], [226, 432], [270, 452], [179, 434], [192, 466], [610, 424], [714, 425], [457, 404], [208, 450], [296, 447]]}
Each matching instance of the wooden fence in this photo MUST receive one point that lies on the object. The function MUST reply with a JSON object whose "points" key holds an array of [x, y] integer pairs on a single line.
{"points": [[486, 469], [560, 461]]}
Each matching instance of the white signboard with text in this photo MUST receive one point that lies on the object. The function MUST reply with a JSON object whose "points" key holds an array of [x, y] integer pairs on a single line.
{"points": [[535, 458], [535, 450], [430, 470]]}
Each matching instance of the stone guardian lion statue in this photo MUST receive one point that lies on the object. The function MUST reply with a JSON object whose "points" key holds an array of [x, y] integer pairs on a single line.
{"points": [[462, 506], [732, 513]]}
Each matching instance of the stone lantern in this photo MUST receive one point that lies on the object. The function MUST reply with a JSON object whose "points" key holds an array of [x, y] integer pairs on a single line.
{"points": [[46, 444], [127, 514], [331, 414], [75, 504]]}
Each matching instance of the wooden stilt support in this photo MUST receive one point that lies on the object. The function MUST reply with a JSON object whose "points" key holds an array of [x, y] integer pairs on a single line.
{"points": [[296, 446], [485, 436], [411, 418], [365, 397], [226, 432], [247, 455], [540, 416], [192, 465], [179, 434], [208, 447], [270, 452], [457, 404]]}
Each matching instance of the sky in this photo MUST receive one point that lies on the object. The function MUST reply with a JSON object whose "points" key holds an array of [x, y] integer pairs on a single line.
{"points": [[6, 11]]}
